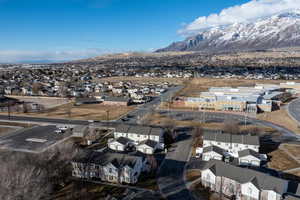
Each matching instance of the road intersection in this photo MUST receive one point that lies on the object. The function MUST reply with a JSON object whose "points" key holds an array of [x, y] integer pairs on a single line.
{"points": [[170, 176]]}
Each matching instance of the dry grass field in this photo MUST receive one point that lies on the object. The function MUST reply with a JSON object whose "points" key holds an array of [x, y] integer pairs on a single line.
{"points": [[282, 161], [281, 118], [293, 149], [5, 130], [47, 102], [157, 119], [82, 112]]}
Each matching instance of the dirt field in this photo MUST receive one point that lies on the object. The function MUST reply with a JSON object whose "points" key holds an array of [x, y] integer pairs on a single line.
{"points": [[83, 112], [281, 161], [197, 85], [48, 102]]}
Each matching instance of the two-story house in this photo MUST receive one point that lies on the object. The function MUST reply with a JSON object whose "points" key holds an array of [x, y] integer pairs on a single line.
{"points": [[243, 183], [245, 148], [110, 167], [146, 139]]}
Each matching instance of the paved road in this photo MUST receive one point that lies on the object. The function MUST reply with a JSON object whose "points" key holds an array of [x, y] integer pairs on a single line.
{"points": [[144, 109], [220, 117], [170, 177], [136, 114], [294, 109]]}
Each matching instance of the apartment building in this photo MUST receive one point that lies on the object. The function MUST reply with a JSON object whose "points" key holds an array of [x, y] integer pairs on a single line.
{"points": [[145, 139], [242, 183], [244, 148], [110, 167]]}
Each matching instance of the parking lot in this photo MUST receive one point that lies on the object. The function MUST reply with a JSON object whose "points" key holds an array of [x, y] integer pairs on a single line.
{"points": [[34, 140]]}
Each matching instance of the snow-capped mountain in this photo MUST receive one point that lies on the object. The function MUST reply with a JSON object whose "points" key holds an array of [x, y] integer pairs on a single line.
{"points": [[281, 30]]}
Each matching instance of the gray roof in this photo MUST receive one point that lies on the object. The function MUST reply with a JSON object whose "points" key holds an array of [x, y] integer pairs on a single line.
{"points": [[138, 129], [214, 149], [105, 158], [149, 143], [230, 138], [117, 99], [248, 152], [122, 128], [244, 175], [123, 140]]}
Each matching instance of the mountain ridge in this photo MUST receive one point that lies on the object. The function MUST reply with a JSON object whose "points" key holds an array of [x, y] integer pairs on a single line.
{"points": [[277, 31]]}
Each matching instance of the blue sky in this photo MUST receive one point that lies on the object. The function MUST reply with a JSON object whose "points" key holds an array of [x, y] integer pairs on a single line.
{"points": [[71, 29]]}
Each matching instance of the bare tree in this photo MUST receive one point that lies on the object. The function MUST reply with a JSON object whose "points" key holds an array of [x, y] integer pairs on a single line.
{"points": [[152, 162], [36, 88], [21, 179], [56, 162], [231, 126]]}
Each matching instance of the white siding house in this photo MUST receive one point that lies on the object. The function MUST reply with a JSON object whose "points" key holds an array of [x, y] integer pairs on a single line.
{"points": [[243, 147], [110, 167], [243, 183], [146, 139]]}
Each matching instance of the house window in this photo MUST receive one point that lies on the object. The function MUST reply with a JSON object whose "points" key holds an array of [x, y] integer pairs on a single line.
{"points": [[208, 178], [249, 191], [110, 170]]}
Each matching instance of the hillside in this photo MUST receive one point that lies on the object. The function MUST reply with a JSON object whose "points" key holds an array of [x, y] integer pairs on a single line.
{"points": [[277, 31]]}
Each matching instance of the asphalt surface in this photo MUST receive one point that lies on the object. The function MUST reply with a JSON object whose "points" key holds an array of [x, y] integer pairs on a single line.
{"points": [[220, 117], [294, 109], [144, 109], [136, 114], [33, 140], [170, 177]]}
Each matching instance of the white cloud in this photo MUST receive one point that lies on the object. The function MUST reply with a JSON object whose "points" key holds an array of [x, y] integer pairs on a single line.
{"points": [[13, 56], [241, 13]]}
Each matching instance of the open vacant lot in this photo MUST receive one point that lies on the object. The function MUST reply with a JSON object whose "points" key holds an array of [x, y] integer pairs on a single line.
{"points": [[83, 112], [47, 102], [281, 161], [286, 157], [281, 118]]}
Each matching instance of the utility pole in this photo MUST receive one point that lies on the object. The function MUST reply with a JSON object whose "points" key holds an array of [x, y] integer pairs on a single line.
{"points": [[245, 120], [107, 115], [8, 110]]}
